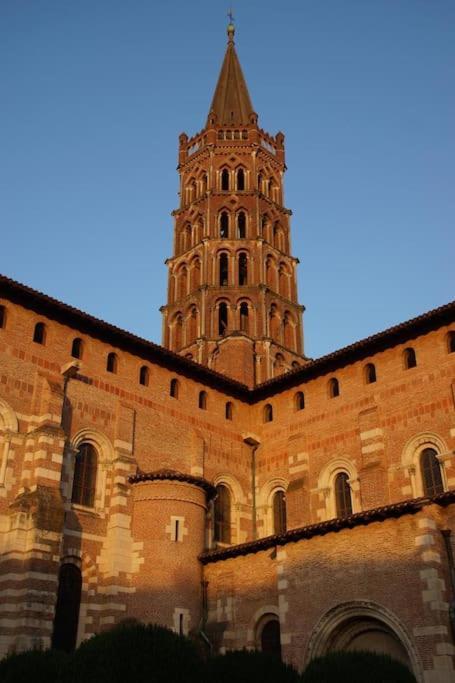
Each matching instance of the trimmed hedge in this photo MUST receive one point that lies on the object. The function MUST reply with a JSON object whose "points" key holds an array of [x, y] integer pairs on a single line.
{"points": [[244, 666], [135, 652], [34, 666], [356, 667]]}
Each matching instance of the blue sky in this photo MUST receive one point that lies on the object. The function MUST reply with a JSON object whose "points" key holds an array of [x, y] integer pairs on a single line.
{"points": [[96, 92]]}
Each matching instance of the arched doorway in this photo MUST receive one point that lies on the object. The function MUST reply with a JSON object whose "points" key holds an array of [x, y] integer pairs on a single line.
{"points": [[66, 618], [363, 626], [269, 635]]}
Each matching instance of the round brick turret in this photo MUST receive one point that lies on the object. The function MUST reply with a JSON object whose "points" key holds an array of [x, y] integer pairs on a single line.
{"points": [[168, 525]]}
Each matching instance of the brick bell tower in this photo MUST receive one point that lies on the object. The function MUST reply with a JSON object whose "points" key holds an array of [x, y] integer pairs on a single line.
{"points": [[232, 292]]}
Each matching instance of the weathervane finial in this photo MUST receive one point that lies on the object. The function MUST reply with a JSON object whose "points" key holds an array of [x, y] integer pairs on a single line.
{"points": [[231, 27]]}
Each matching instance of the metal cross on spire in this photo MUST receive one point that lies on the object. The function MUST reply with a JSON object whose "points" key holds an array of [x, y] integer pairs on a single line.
{"points": [[230, 15]]}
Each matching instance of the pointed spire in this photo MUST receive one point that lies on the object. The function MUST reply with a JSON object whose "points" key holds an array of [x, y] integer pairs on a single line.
{"points": [[231, 102]]}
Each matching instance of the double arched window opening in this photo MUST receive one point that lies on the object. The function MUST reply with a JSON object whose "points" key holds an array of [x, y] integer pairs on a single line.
{"points": [[244, 315]]}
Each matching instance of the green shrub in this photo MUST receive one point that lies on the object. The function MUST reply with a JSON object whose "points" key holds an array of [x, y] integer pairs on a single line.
{"points": [[243, 666], [137, 653], [37, 666], [356, 667]]}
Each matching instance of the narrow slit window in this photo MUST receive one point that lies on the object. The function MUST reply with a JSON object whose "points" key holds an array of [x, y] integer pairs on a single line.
{"points": [[450, 341], [334, 388], [299, 400], [409, 356], [244, 313], [144, 376], [174, 388], [370, 373], [39, 334], [112, 363], [76, 348], [228, 411], [268, 413], [2, 317], [203, 400]]}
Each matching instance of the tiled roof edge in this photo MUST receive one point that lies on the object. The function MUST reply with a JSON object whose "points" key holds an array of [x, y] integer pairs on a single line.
{"points": [[332, 525], [174, 475]]}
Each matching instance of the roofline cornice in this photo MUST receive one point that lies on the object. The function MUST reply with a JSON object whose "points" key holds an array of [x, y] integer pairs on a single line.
{"points": [[79, 320]]}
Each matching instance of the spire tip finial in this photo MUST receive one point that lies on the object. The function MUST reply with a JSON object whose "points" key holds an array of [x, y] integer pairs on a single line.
{"points": [[231, 26]]}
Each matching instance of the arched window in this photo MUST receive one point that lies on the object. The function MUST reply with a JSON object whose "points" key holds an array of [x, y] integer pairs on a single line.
{"points": [[267, 413], [431, 472], [225, 179], [241, 225], [174, 388], [244, 317], [112, 363], [450, 341], [289, 330], [295, 365], [240, 179], [275, 325], [343, 500], [204, 183], [370, 373], [334, 387], [182, 282], [2, 317], [76, 348], [224, 225], [270, 639], [67, 607], [228, 412], [279, 512], [144, 376], [243, 269], [203, 400], [222, 514], [39, 334], [222, 318], [178, 332], [224, 269], [409, 358], [299, 400], [84, 480], [260, 182], [192, 325]]}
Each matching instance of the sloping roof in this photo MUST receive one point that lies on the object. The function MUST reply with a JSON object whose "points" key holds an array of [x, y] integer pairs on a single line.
{"points": [[406, 507], [110, 334], [231, 102]]}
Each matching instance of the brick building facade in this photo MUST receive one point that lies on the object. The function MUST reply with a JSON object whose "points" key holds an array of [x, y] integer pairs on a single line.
{"points": [[223, 484]]}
